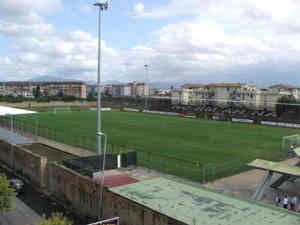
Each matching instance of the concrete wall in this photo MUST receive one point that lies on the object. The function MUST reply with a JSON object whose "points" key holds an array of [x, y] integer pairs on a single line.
{"points": [[6, 156], [30, 165], [76, 191], [80, 192], [24, 162], [73, 189]]}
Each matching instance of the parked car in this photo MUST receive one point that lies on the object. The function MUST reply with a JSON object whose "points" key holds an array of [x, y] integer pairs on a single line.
{"points": [[17, 184]]}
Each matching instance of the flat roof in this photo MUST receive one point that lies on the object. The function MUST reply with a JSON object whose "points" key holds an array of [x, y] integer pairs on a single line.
{"points": [[275, 167], [13, 138], [192, 204], [115, 180]]}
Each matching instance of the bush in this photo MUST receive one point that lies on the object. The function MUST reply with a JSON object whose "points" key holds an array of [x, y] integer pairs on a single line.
{"points": [[56, 219], [6, 195]]}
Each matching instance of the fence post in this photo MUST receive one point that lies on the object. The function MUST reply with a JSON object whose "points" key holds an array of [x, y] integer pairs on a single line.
{"points": [[203, 173], [36, 127]]}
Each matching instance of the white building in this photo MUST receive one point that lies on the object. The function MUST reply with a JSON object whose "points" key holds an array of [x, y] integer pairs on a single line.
{"points": [[233, 94]]}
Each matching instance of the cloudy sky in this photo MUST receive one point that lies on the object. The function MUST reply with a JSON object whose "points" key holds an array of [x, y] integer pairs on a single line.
{"points": [[254, 41]]}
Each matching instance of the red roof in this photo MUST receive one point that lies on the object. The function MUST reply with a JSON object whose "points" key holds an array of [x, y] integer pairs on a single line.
{"points": [[116, 180]]}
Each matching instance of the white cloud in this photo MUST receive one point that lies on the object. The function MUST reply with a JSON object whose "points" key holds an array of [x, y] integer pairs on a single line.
{"points": [[173, 8], [225, 40], [85, 9], [138, 9], [226, 37]]}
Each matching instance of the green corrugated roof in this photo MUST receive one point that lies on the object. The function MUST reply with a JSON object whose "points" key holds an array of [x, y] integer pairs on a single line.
{"points": [[199, 206]]}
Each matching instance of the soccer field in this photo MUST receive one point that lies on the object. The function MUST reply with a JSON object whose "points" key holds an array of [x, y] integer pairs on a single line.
{"points": [[177, 145]]}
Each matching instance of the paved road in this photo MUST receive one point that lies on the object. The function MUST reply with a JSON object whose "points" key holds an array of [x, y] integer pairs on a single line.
{"points": [[21, 214], [32, 204]]}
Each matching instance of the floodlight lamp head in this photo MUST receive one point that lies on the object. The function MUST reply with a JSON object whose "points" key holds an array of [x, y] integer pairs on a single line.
{"points": [[102, 5]]}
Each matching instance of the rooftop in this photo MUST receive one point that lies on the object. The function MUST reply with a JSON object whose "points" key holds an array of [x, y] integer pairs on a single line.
{"points": [[286, 86], [21, 83], [193, 204], [225, 85], [193, 86]]}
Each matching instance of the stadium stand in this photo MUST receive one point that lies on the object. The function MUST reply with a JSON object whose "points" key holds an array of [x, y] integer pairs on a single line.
{"points": [[289, 173]]}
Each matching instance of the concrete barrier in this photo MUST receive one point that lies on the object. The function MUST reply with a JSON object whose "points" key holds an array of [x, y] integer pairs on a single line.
{"points": [[131, 110]]}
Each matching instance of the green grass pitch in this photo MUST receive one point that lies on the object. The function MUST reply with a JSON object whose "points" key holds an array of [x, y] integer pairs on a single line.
{"points": [[193, 142]]}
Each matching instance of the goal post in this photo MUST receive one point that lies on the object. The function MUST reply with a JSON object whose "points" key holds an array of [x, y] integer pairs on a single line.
{"points": [[62, 110], [289, 142]]}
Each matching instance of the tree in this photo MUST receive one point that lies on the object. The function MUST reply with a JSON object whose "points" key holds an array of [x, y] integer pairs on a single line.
{"points": [[288, 106], [6, 195], [56, 219], [287, 99], [37, 92]]}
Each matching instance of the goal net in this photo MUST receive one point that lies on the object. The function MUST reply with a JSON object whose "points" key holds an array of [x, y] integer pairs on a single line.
{"points": [[62, 110], [290, 142]]}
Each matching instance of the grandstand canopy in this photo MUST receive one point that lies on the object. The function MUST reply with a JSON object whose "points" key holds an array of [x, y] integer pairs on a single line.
{"points": [[297, 151], [275, 167], [193, 204], [5, 110]]}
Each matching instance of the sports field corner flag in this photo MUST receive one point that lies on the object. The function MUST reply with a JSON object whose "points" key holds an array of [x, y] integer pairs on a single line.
{"points": [[112, 221]]}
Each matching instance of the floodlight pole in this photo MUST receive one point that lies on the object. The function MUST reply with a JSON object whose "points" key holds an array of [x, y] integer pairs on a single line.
{"points": [[102, 6], [100, 134], [146, 83]]}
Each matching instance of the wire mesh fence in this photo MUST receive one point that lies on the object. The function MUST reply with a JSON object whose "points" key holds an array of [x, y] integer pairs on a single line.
{"points": [[213, 171], [194, 170], [190, 169]]}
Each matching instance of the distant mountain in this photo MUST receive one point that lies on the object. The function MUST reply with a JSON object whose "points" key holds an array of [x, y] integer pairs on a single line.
{"points": [[50, 78], [164, 85], [110, 82], [153, 85]]}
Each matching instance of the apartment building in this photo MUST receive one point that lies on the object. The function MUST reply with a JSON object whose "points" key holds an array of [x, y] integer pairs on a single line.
{"points": [[27, 89], [232, 94], [285, 89], [134, 89], [224, 94]]}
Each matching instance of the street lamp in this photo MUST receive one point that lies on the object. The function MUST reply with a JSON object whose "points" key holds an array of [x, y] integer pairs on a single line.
{"points": [[100, 135], [146, 83], [102, 6]]}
